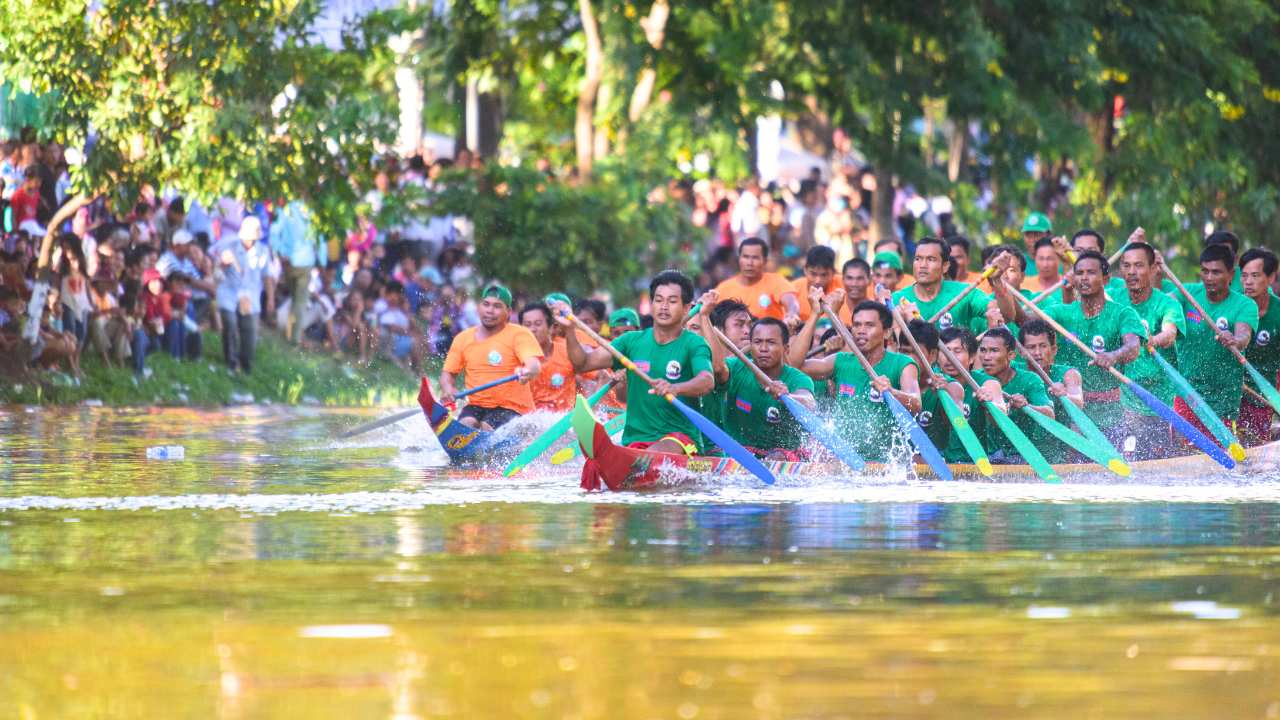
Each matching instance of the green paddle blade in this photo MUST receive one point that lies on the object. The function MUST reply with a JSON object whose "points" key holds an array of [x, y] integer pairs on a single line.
{"points": [[1023, 445], [1082, 420], [565, 454], [549, 437], [968, 439], [1202, 409], [1103, 454]]}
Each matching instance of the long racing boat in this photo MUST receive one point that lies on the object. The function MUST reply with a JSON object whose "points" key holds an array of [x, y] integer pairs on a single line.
{"points": [[616, 467]]}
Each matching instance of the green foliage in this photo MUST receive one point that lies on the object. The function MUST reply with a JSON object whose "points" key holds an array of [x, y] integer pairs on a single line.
{"points": [[225, 98], [540, 235]]}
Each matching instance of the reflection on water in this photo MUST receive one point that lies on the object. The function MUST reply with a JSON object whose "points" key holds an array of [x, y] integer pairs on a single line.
{"points": [[479, 601]]}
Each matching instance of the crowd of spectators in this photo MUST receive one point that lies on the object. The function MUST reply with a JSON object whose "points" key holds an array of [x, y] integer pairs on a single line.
{"points": [[153, 280]]}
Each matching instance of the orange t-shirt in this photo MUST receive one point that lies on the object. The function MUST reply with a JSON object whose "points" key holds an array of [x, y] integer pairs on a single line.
{"points": [[801, 287], [763, 298], [491, 358], [556, 387]]}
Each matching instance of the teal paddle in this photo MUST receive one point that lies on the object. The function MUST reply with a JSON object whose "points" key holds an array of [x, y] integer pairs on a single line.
{"points": [[393, 419], [959, 423], [615, 425], [1017, 438], [1268, 389], [1184, 428], [1201, 408], [543, 442], [731, 447], [906, 423], [838, 446]]}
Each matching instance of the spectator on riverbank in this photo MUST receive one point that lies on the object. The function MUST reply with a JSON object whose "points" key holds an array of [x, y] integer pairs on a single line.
{"points": [[245, 266]]}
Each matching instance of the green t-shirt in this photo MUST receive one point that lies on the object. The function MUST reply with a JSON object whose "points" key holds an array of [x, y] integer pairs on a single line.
{"points": [[713, 403], [1157, 311], [932, 418], [1030, 386], [980, 324], [1050, 446], [955, 452], [973, 306], [1104, 333], [862, 414], [1209, 367], [650, 417], [753, 417], [1264, 348]]}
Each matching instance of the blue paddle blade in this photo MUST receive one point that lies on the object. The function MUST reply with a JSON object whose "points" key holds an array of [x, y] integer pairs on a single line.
{"points": [[825, 435], [1186, 429], [731, 447], [918, 437]]}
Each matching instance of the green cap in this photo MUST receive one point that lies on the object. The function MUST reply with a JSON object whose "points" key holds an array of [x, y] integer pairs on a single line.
{"points": [[497, 291], [558, 297], [888, 258], [1037, 222], [624, 317], [822, 323]]}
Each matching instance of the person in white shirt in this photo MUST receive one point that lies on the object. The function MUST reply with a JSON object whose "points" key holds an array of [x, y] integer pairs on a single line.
{"points": [[246, 273]]}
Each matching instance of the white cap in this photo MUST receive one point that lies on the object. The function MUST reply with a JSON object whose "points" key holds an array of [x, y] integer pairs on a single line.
{"points": [[181, 237], [251, 228]]}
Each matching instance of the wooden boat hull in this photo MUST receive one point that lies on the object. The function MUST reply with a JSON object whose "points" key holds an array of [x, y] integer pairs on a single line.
{"points": [[462, 444], [619, 468]]}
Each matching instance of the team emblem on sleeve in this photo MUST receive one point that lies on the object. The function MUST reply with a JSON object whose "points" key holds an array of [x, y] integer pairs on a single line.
{"points": [[673, 370]]}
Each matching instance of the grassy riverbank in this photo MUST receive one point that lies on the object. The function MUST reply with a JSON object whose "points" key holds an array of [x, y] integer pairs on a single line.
{"points": [[282, 374]]}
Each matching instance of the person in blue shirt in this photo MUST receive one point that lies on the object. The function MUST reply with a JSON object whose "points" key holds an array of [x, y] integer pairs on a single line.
{"points": [[294, 241]]}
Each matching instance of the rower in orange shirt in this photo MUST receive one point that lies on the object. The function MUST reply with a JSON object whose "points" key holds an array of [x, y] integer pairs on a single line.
{"points": [[493, 349], [765, 294], [556, 385], [819, 271]]}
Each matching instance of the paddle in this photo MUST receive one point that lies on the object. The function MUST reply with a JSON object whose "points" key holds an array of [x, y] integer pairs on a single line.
{"points": [[991, 269], [1183, 427], [393, 419], [615, 425], [838, 446], [1201, 408], [1090, 440], [906, 422], [549, 436], [959, 423], [1019, 439], [1268, 390], [730, 446]]}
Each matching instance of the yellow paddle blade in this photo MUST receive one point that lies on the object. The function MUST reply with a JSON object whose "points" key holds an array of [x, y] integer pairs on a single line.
{"points": [[984, 467], [562, 456], [1119, 467], [1236, 452]]}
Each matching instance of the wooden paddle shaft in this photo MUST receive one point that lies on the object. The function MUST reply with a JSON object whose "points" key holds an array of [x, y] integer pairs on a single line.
{"points": [[988, 272], [1200, 309]]}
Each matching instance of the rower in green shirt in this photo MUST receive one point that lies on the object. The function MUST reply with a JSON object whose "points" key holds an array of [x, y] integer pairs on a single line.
{"points": [[932, 418], [1041, 343], [679, 360], [962, 344], [755, 415], [1258, 271], [1036, 226], [732, 318], [1162, 324], [1203, 356], [997, 377], [932, 291], [1111, 330], [864, 417]]}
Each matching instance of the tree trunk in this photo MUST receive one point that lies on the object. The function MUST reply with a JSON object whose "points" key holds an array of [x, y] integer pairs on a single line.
{"points": [[956, 148], [882, 207], [584, 122], [655, 32], [601, 130]]}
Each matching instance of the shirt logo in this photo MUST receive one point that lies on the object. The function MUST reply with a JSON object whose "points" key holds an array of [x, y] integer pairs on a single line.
{"points": [[494, 357], [945, 321], [874, 395], [673, 370], [764, 301], [965, 407], [924, 418], [1099, 343], [743, 405], [1264, 338], [557, 380], [1223, 324], [773, 415]]}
